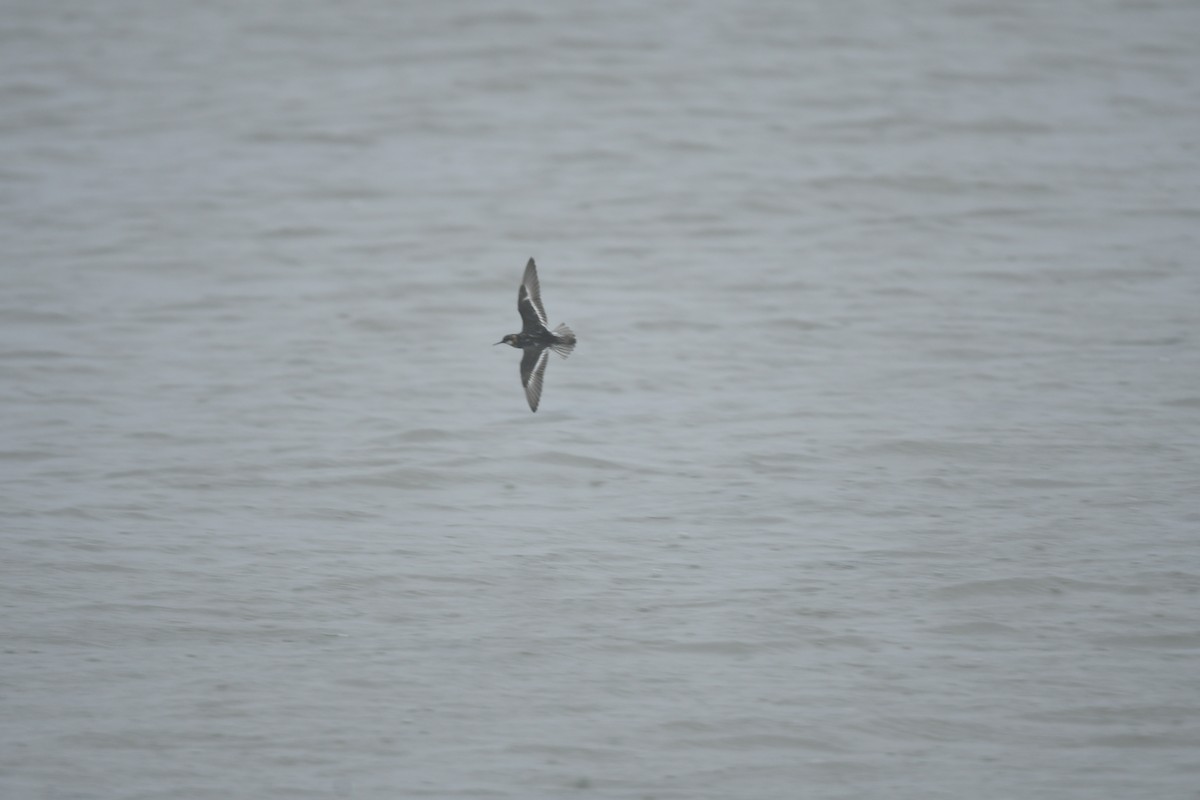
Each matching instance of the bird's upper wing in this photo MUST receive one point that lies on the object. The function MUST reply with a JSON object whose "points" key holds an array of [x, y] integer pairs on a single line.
{"points": [[533, 367], [529, 301]]}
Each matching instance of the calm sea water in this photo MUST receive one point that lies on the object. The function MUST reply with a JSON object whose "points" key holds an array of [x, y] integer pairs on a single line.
{"points": [[874, 473]]}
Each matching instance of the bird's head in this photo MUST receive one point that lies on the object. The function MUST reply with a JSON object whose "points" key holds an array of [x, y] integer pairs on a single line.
{"points": [[511, 339]]}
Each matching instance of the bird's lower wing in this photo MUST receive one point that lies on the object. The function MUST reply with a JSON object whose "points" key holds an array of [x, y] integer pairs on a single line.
{"points": [[533, 367]]}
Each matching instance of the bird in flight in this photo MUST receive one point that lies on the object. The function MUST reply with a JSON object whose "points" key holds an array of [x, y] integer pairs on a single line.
{"points": [[535, 338]]}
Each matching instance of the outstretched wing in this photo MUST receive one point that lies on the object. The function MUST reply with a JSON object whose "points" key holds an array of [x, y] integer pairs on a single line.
{"points": [[533, 367], [529, 301]]}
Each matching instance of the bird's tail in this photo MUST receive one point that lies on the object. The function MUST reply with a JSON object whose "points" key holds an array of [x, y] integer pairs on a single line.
{"points": [[564, 340]]}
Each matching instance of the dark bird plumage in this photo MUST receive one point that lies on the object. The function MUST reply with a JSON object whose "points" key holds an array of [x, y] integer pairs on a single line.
{"points": [[535, 337]]}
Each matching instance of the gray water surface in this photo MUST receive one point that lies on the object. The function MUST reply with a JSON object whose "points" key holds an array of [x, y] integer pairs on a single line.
{"points": [[874, 473]]}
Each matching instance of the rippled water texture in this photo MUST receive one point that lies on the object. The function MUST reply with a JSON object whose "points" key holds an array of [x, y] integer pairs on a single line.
{"points": [[874, 473]]}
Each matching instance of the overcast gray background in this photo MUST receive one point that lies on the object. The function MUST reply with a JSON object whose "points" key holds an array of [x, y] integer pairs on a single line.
{"points": [[874, 473]]}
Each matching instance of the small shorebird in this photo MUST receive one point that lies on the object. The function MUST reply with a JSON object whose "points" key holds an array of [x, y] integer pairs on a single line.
{"points": [[535, 337]]}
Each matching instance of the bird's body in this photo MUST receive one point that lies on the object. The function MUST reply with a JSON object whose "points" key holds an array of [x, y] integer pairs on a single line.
{"points": [[535, 337]]}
